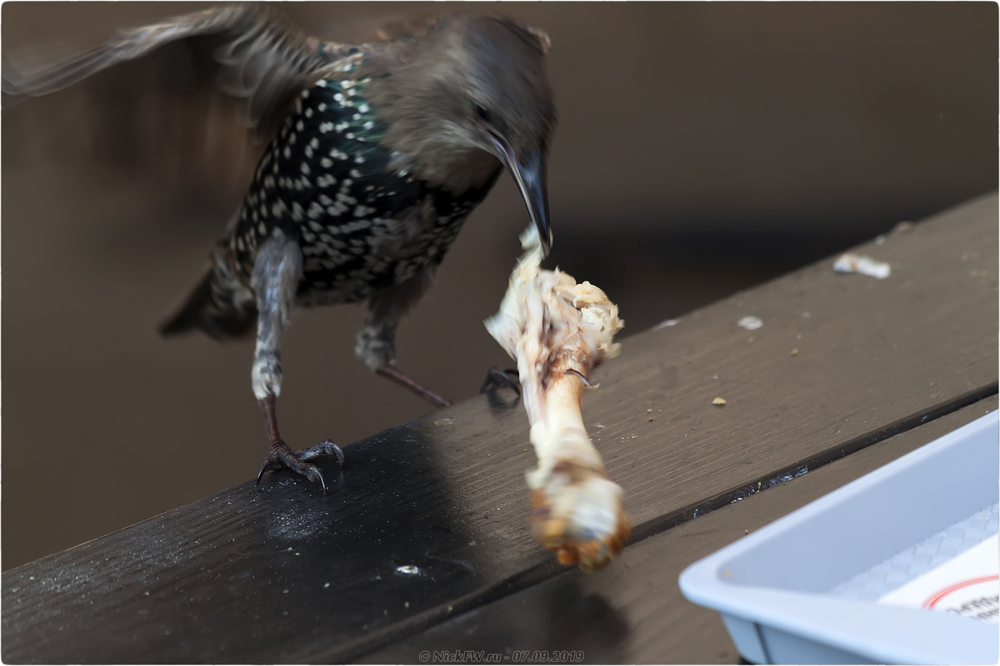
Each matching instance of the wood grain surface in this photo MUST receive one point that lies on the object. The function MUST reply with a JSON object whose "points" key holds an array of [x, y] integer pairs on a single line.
{"points": [[638, 614], [282, 574]]}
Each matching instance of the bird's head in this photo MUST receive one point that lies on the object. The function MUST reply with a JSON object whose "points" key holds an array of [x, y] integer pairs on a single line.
{"points": [[470, 89]]}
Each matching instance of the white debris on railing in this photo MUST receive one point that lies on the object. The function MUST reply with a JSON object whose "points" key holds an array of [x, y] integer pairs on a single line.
{"points": [[856, 263]]}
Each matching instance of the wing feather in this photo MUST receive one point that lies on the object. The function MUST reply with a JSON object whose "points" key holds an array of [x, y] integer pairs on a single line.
{"points": [[257, 56]]}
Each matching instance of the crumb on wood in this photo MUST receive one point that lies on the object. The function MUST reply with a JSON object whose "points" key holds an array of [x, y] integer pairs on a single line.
{"points": [[856, 263]]}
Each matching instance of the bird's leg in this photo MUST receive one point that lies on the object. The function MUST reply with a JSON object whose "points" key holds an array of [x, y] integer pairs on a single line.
{"points": [[281, 456], [376, 344], [403, 379], [275, 279]]}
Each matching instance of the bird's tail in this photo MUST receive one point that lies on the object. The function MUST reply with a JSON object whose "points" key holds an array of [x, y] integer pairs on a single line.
{"points": [[220, 305]]}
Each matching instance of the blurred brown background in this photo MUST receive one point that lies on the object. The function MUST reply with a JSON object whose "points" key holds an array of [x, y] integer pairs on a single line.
{"points": [[702, 148]]}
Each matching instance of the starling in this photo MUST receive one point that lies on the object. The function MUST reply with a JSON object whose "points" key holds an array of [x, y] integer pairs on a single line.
{"points": [[378, 152]]}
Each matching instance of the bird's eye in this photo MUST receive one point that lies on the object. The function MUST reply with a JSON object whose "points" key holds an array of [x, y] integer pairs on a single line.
{"points": [[482, 113]]}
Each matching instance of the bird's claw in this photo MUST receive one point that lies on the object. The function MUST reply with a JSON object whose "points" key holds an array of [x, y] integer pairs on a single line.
{"points": [[324, 448], [500, 377], [281, 457]]}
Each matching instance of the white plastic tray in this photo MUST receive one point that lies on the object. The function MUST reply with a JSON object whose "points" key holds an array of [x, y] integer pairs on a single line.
{"points": [[784, 591]]}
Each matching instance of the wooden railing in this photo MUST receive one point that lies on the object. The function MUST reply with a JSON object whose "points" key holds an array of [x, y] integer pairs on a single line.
{"points": [[422, 548]]}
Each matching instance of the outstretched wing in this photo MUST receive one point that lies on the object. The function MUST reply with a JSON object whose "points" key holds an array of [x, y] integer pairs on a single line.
{"points": [[255, 54]]}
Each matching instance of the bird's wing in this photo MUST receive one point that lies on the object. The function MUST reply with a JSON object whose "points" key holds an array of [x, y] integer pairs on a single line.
{"points": [[257, 57]]}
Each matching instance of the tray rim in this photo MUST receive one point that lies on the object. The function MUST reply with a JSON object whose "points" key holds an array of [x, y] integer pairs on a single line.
{"points": [[882, 633]]}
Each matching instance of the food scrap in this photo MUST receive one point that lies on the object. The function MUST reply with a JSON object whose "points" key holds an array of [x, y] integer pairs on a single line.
{"points": [[558, 331], [666, 324], [856, 263], [721, 402]]}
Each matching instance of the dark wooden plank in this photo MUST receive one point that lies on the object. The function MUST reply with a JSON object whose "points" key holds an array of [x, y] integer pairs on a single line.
{"points": [[286, 575], [638, 614]]}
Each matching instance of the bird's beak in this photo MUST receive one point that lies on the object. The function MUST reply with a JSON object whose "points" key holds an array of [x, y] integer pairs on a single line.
{"points": [[529, 172]]}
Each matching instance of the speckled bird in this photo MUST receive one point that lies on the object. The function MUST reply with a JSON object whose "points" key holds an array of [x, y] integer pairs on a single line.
{"points": [[378, 153]]}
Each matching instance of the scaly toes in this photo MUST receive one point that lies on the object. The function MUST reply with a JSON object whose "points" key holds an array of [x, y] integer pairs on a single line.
{"points": [[498, 378], [312, 473], [324, 448], [282, 457]]}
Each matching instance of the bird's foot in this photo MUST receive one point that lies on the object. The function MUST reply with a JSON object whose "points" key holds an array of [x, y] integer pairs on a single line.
{"points": [[282, 457], [501, 377]]}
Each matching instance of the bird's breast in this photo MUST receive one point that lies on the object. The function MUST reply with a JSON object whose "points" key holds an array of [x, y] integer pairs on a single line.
{"points": [[362, 223]]}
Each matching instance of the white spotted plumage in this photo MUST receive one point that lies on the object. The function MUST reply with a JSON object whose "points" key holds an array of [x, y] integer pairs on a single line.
{"points": [[365, 227]]}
